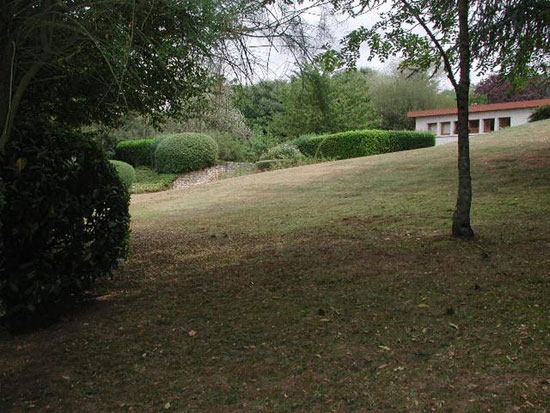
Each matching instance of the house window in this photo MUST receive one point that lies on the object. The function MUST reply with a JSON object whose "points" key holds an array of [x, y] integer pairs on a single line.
{"points": [[473, 126], [455, 128], [432, 127], [445, 128], [488, 125], [504, 123]]}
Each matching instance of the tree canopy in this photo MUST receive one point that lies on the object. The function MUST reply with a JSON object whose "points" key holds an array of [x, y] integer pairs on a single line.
{"points": [[455, 35], [512, 36], [498, 89], [314, 101], [78, 62], [393, 96], [75, 62]]}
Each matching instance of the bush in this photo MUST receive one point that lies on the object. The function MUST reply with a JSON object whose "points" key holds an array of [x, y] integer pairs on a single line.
{"points": [[259, 144], [138, 152], [266, 164], [65, 221], [185, 152], [154, 146], [352, 144], [282, 151], [541, 113], [229, 148], [125, 172]]}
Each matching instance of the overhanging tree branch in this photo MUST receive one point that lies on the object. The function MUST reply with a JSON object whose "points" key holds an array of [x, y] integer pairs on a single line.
{"points": [[435, 41]]}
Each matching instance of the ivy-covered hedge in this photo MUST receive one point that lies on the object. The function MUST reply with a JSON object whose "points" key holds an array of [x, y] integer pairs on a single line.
{"points": [[185, 152], [138, 152], [65, 221], [126, 172], [357, 143]]}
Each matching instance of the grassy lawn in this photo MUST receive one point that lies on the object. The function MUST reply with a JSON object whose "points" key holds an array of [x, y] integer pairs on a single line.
{"points": [[148, 180], [328, 287]]}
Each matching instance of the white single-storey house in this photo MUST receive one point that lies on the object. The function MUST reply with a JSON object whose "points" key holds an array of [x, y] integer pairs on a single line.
{"points": [[483, 118]]}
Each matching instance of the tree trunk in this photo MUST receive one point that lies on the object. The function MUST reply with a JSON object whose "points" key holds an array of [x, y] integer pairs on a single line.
{"points": [[461, 216], [6, 55]]}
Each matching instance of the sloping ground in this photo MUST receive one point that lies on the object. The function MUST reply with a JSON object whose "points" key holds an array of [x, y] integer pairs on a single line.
{"points": [[330, 287]]}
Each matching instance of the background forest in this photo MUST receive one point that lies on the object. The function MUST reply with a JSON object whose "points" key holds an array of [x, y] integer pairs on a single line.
{"points": [[247, 120]]}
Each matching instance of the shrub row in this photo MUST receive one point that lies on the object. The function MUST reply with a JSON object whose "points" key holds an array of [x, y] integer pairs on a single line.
{"points": [[357, 143]]}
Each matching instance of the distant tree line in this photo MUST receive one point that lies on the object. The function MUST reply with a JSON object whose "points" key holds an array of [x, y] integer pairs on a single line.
{"points": [[315, 101], [497, 89]]}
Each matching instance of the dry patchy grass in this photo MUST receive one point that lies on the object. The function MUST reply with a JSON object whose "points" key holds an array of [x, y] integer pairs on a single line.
{"points": [[329, 287]]}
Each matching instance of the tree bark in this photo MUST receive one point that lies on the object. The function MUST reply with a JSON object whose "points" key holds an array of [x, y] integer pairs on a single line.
{"points": [[461, 216]]}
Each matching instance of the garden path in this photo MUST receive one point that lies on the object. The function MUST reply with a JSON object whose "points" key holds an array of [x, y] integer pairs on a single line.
{"points": [[207, 175]]}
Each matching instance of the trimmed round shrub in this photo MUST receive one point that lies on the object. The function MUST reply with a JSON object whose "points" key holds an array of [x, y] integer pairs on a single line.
{"points": [[541, 113], [282, 151], [65, 222], [185, 152], [126, 172], [138, 152]]}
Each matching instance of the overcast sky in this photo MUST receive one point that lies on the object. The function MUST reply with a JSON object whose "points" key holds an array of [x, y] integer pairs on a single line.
{"points": [[281, 64]]}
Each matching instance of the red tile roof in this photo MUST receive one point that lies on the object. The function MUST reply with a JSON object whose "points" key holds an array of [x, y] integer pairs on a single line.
{"points": [[480, 108]]}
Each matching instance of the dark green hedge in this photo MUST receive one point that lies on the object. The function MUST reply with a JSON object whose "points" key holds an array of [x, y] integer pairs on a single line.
{"points": [[138, 152], [65, 221], [185, 152], [405, 140], [352, 144]]}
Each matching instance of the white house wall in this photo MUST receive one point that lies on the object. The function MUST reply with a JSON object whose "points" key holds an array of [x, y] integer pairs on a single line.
{"points": [[517, 117]]}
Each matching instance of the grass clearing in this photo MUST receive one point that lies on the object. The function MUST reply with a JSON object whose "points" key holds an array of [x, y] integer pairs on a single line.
{"points": [[329, 287], [149, 180]]}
